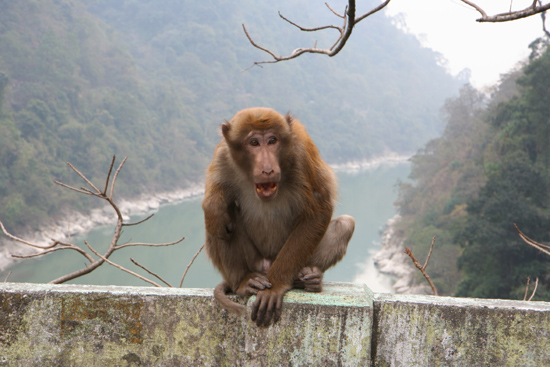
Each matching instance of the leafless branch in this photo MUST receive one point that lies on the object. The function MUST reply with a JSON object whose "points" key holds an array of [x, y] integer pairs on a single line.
{"points": [[121, 267], [152, 273], [113, 246], [423, 268], [116, 175], [7, 277], [141, 221], [85, 179], [543, 17], [109, 175], [534, 289], [189, 265], [527, 289], [535, 8], [530, 242], [148, 244], [345, 30]]}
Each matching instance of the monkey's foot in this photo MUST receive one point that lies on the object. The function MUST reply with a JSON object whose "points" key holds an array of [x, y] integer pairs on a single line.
{"points": [[309, 279]]}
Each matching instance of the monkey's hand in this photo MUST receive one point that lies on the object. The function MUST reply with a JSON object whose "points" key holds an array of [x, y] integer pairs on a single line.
{"points": [[267, 305], [310, 279], [252, 283]]}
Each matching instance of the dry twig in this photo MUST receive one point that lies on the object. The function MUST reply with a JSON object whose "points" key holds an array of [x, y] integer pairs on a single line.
{"points": [[422, 268], [527, 289], [530, 242], [152, 273], [189, 265], [349, 20], [535, 8], [93, 263]]}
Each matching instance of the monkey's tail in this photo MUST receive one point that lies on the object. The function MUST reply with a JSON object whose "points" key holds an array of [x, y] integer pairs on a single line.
{"points": [[220, 294]]}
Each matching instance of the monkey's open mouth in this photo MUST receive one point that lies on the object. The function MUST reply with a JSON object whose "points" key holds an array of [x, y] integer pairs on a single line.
{"points": [[265, 190]]}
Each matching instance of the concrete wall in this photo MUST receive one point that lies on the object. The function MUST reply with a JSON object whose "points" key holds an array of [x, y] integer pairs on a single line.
{"points": [[345, 325], [67, 325]]}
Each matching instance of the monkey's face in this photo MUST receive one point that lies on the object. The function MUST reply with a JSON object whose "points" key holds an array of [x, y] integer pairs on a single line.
{"points": [[263, 150]]}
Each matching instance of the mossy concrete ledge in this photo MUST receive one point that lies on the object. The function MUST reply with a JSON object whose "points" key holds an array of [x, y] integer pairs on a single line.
{"points": [[443, 331], [77, 325]]}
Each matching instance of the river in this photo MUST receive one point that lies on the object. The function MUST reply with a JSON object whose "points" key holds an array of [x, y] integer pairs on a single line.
{"points": [[367, 194]]}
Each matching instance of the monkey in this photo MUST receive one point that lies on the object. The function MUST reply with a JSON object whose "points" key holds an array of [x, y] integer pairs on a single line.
{"points": [[268, 205]]}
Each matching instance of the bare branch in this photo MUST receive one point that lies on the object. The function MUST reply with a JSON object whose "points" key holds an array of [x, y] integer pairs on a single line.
{"points": [[109, 175], [423, 268], [429, 253], [7, 277], [67, 247], [345, 32], [152, 273], [118, 247], [510, 15], [81, 190], [113, 246], [84, 178], [543, 16], [121, 268], [534, 289], [530, 242], [115, 177], [189, 265], [139, 222], [334, 11], [526, 289], [20, 240]]}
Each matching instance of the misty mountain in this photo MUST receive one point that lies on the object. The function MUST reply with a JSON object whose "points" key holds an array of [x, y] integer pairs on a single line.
{"points": [[153, 80]]}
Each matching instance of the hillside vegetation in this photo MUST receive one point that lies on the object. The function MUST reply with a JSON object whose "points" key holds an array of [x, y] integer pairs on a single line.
{"points": [[151, 80], [489, 170]]}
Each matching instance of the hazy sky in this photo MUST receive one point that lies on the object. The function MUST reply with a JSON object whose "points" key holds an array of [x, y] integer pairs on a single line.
{"points": [[450, 28]]}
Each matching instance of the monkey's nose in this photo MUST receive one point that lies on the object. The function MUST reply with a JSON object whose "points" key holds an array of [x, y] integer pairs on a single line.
{"points": [[267, 173]]}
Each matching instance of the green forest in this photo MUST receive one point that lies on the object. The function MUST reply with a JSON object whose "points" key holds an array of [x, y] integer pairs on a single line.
{"points": [[81, 81], [489, 170]]}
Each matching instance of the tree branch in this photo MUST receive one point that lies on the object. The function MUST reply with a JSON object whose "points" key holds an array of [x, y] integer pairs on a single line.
{"points": [[113, 246], [423, 268], [189, 265], [510, 15], [530, 242], [152, 273], [345, 32], [121, 267], [527, 289], [118, 247]]}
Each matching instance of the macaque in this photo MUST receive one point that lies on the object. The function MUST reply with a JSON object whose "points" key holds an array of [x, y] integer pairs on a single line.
{"points": [[268, 205]]}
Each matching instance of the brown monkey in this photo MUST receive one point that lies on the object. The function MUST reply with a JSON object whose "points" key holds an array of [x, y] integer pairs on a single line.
{"points": [[268, 205]]}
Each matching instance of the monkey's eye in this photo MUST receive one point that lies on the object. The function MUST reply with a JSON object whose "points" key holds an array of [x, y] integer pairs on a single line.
{"points": [[272, 140], [254, 142]]}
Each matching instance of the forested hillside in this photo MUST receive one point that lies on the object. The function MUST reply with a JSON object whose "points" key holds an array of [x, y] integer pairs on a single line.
{"points": [[489, 170], [152, 80]]}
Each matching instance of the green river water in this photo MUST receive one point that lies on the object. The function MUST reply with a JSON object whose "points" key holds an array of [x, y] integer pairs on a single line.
{"points": [[368, 195]]}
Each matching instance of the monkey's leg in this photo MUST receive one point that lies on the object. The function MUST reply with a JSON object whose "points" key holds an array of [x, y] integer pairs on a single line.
{"points": [[332, 249]]}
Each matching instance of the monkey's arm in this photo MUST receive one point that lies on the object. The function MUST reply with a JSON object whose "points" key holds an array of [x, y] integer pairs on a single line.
{"points": [[294, 255], [217, 211]]}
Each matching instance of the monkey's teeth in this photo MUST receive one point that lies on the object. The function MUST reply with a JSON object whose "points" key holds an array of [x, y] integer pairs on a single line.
{"points": [[266, 189]]}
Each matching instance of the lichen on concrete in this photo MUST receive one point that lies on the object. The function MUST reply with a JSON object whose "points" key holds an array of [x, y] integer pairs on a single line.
{"points": [[69, 325], [444, 331]]}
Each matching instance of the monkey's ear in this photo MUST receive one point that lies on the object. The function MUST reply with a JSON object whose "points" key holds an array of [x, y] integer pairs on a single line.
{"points": [[289, 118], [225, 129]]}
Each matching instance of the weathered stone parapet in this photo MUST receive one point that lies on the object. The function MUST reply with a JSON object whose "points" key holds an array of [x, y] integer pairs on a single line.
{"points": [[74, 325], [443, 331]]}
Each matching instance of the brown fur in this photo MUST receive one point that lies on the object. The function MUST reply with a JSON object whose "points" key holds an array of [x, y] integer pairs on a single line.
{"points": [[268, 203]]}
